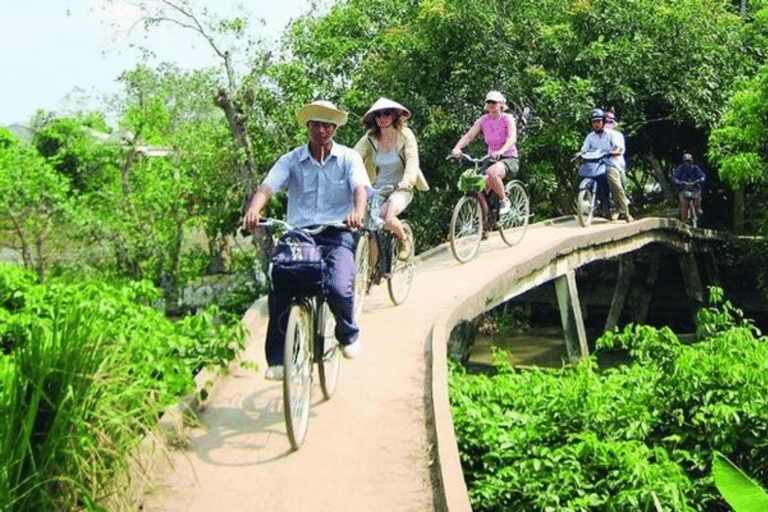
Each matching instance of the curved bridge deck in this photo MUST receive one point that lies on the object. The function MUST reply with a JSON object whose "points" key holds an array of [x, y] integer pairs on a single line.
{"points": [[385, 441]]}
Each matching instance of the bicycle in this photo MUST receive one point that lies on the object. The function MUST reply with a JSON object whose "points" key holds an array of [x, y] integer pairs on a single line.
{"points": [[592, 178], [477, 212], [387, 264], [690, 195], [309, 339]]}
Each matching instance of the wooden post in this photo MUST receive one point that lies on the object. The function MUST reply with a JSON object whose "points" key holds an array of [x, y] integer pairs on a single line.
{"points": [[643, 293], [693, 287], [570, 315], [623, 280]]}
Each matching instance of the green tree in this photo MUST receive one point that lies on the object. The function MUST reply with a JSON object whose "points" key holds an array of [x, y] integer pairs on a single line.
{"points": [[666, 67], [33, 199]]}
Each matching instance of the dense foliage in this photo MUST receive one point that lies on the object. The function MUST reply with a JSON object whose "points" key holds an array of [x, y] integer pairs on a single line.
{"points": [[580, 438], [85, 370], [666, 68]]}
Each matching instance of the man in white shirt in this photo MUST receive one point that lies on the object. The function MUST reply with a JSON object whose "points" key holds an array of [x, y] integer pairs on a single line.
{"points": [[613, 142], [326, 183]]}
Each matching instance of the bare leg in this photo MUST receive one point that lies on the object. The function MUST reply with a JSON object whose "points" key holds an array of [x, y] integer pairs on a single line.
{"points": [[496, 174], [391, 222]]}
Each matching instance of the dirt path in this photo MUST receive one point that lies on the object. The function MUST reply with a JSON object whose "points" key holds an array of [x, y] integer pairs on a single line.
{"points": [[367, 449], [370, 447]]}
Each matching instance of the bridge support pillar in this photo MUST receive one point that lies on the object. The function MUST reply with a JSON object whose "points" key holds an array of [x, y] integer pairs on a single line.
{"points": [[570, 315], [693, 285], [623, 280]]}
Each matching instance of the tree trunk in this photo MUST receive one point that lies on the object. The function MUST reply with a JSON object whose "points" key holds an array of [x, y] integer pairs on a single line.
{"points": [[237, 127], [738, 211], [661, 178]]}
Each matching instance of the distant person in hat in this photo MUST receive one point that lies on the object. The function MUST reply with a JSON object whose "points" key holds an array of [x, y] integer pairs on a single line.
{"points": [[391, 156], [612, 142], [688, 172], [500, 132], [612, 124], [326, 183]]}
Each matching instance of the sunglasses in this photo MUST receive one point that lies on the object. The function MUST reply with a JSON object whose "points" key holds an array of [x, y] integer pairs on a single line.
{"points": [[490, 102], [385, 112]]}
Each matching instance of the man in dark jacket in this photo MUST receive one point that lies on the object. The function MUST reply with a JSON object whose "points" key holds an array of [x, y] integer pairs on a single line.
{"points": [[690, 175]]}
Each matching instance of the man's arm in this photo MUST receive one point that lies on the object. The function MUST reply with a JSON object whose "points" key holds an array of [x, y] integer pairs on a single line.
{"points": [[259, 201], [356, 217]]}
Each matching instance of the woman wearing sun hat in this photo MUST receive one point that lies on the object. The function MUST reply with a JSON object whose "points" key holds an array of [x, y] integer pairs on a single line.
{"points": [[500, 132], [391, 157]]}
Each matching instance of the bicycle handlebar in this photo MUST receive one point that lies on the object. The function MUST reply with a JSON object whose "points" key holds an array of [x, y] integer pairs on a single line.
{"points": [[270, 223], [469, 158]]}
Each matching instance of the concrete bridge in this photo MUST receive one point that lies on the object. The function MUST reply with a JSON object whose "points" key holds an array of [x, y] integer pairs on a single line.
{"points": [[385, 441]]}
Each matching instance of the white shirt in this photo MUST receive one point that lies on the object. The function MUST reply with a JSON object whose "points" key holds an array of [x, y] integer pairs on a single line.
{"points": [[318, 193], [607, 140]]}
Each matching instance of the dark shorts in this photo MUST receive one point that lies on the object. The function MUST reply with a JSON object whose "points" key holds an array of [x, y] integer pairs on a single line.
{"points": [[512, 166]]}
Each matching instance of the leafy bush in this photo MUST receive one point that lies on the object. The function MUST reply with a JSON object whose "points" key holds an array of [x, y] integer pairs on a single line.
{"points": [[87, 368], [620, 439]]}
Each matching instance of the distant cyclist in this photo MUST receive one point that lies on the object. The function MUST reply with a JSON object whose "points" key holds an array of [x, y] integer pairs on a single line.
{"points": [[602, 138], [692, 173], [500, 132]]}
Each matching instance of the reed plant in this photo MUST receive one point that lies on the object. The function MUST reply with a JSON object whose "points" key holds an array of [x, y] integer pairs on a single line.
{"points": [[85, 371]]}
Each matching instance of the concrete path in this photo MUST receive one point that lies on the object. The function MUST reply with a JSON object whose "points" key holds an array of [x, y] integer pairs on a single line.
{"points": [[370, 448]]}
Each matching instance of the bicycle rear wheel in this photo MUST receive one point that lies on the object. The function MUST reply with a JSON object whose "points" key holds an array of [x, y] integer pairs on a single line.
{"points": [[513, 224], [466, 228], [585, 206], [401, 271], [362, 273], [328, 352], [297, 378]]}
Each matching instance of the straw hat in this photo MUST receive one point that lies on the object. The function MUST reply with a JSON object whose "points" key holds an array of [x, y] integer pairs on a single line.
{"points": [[321, 111], [385, 104]]}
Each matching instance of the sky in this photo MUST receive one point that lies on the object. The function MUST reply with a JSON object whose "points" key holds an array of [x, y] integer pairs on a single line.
{"points": [[57, 54]]}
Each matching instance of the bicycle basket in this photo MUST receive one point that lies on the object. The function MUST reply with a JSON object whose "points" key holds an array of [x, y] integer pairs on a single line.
{"points": [[471, 181], [297, 266]]}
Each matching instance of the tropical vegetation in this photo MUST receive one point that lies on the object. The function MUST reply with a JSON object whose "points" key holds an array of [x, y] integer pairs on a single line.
{"points": [[640, 436], [117, 223]]}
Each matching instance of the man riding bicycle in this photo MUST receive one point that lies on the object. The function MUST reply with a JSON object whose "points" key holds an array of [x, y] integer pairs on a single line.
{"points": [[326, 184], [688, 172], [602, 138]]}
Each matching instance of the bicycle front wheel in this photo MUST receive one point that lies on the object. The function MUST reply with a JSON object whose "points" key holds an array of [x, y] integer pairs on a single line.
{"points": [[466, 228], [585, 206], [297, 377], [362, 273], [328, 352], [693, 215], [401, 271], [513, 224]]}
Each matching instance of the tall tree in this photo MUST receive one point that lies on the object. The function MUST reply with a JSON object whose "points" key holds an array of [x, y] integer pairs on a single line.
{"points": [[666, 67], [33, 199]]}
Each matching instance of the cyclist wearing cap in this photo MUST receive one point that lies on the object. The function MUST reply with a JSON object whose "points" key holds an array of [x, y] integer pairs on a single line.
{"points": [[500, 132], [391, 157], [602, 138], [692, 173], [326, 184]]}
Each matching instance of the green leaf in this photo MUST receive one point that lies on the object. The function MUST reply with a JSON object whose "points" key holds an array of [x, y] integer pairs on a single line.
{"points": [[740, 491]]}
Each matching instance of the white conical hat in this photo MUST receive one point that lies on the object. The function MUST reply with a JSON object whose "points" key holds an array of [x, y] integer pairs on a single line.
{"points": [[384, 104]]}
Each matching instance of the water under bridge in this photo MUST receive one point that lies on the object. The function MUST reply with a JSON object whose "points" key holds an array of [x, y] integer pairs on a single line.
{"points": [[385, 441]]}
